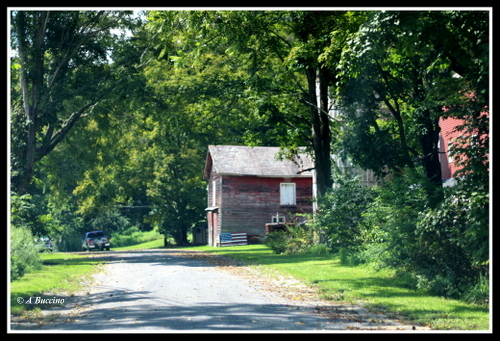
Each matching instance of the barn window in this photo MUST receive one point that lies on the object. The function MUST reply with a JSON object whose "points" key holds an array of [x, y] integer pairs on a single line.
{"points": [[275, 219], [287, 191]]}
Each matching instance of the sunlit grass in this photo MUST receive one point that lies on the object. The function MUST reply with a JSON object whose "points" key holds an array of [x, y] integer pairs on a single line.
{"points": [[154, 244], [378, 290], [62, 273]]}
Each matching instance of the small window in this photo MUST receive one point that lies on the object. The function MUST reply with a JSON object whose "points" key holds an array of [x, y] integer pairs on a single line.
{"points": [[287, 191], [276, 219]]}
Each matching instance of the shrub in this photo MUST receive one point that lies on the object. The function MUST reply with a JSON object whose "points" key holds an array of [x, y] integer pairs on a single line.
{"points": [[439, 240], [340, 219], [478, 293], [24, 255], [296, 239], [318, 250], [277, 241], [454, 241]]}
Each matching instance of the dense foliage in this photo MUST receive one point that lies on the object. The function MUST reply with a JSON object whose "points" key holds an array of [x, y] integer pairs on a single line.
{"points": [[23, 245], [23, 252], [399, 73], [112, 112]]}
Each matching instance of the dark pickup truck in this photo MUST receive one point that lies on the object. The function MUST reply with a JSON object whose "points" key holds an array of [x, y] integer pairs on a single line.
{"points": [[95, 240]]}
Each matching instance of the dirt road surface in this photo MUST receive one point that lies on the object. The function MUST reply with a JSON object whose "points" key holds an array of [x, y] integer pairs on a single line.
{"points": [[170, 290]]}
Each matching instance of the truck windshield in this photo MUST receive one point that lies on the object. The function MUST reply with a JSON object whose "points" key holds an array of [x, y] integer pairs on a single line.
{"points": [[95, 234]]}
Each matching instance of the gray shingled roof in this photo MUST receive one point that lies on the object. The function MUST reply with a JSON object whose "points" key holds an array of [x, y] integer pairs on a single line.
{"points": [[256, 161]]}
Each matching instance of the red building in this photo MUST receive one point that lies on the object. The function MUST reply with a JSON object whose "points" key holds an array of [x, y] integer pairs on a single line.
{"points": [[249, 187], [448, 135]]}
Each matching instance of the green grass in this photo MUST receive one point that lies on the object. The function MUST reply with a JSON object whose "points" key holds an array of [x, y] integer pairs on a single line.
{"points": [[62, 274], [134, 238], [378, 290], [154, 244]]}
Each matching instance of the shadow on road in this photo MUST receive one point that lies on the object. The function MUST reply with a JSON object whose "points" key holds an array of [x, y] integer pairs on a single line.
{"points": [[157, 256], [173, 298], [170, 313]]}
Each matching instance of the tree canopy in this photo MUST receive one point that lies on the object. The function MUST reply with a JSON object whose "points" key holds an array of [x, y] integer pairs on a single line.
{"points": [[112, 111], [63, 69]]}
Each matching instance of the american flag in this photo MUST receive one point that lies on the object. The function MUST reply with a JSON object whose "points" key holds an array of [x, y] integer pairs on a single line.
{"points": [[232, 239]]}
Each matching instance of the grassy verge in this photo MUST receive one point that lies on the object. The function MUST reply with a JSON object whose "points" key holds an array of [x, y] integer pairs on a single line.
{"points": [[62, 274], [154, 244], [378, 290], [133, 239]]}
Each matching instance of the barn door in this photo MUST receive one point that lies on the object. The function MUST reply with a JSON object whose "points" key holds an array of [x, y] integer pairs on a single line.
{"points": [[213, 232]]}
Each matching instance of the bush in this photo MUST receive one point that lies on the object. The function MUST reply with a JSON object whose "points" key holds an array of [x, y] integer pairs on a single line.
{"points": [[296, 239], [340, 219], [318, 250], [24, 255], [109, 220], [454, 240], [277, 241], [478, 293], [438, 240], [69, 241]]}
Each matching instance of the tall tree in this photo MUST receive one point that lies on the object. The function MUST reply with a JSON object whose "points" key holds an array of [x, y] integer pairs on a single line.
{"points": [[63, 65], [398, 73], [286, 81], [195, 101]]}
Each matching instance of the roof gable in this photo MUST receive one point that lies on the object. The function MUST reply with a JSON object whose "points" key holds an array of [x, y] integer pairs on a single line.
{"points": [[255, 161]]}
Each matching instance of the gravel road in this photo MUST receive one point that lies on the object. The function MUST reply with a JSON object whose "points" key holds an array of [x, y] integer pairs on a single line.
{"points": [[177, 291]]}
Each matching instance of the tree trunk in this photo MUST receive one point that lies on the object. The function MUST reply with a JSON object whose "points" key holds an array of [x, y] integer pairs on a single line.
{"points": [[321, 135], [429, 140], [430, 160], [30, 99]]}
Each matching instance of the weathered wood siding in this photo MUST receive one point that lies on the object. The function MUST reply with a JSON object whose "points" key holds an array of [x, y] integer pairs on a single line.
{"points": [[248, 203], [213, 205]]}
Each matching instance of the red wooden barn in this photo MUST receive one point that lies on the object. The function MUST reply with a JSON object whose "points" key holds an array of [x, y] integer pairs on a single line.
{"points": [[249, 187]]}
